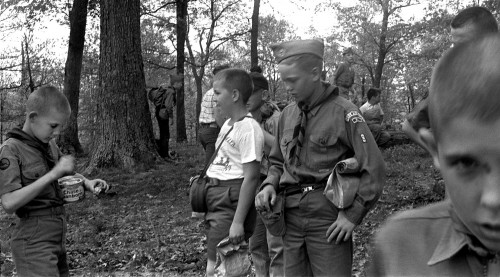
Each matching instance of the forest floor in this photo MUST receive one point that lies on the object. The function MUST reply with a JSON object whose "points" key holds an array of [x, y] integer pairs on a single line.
{"points": [[146, 229]]}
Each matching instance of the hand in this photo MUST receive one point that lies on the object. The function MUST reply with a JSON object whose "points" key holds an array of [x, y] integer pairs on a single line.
{"points": [[97, 186], [65, 166], [265, 199], [236, 233], [341, 229]]}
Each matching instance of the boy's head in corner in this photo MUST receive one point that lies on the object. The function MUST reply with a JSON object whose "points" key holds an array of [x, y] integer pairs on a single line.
{"points": [[471, 23], [465, 143], [47, 110], [232, 89]]}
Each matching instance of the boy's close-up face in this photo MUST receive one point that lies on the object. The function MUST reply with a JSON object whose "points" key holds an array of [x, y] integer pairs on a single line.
{"points": [[469, 160], [298, 82], [47, 126], [223, 97], [255, 101]]}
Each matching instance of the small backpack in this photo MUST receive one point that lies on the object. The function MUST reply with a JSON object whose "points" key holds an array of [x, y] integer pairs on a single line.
{"points": [[164, 99]]}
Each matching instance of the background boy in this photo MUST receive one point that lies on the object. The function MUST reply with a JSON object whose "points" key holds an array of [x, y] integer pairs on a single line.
{"points": [[210, 120], [266, 249], [30, 164], [344, 77], [315, 133], [234, 173], [469, 24], [374, 116], [461, 235]]}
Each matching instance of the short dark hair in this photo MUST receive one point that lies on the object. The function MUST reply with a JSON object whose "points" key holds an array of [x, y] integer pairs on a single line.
{"points": [[239, 79], [47, 98], [482, 19], [372, 92], [219, 67], [465, 82]]}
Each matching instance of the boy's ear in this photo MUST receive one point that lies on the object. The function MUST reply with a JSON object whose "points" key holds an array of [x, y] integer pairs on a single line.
{"points": [[265, 95], [428, 138], [236, 95], [316, 74]]}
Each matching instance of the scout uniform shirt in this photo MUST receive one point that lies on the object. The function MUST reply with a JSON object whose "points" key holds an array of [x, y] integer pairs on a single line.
{"points": [[21, 164], [429, 241], [335, 130]]}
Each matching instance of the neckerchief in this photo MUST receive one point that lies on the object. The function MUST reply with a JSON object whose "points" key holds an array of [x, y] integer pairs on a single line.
{"points": [[43, 148]]}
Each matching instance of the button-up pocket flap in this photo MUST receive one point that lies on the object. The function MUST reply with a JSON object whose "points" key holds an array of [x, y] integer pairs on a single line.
{"points": [[323, 139], [34, 172]]}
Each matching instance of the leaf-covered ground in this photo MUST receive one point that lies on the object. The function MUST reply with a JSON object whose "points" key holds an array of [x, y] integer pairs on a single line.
{"points": [[146, 228]]}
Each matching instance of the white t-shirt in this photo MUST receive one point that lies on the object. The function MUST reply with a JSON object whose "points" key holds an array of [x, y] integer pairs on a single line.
{"points": [[371, 113], [244, 144]]}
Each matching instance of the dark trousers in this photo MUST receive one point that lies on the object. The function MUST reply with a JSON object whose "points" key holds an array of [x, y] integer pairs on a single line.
{"points": [[307, 251], [208, 138], [39, 246], [163, 125]]}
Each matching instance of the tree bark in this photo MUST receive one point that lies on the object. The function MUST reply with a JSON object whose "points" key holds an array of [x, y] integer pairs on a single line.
{"points": [[254, 55], [181, 27], [69, 141], [124, 137]]}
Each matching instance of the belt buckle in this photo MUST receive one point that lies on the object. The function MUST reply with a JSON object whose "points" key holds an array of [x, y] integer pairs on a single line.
{"points": [[307, 189]]}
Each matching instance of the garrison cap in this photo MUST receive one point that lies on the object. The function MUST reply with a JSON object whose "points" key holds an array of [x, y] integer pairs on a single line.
{"points": [[259, 81], [292, 48]]}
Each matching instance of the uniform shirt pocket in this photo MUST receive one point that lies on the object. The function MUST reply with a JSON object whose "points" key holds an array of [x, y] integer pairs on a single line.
{"points": [[32, 172], [285, 143], [322, 150]]}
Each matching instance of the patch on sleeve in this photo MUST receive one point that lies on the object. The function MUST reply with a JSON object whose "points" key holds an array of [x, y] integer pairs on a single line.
{"points": [[4, 163], [354, 117], [363, 138]]}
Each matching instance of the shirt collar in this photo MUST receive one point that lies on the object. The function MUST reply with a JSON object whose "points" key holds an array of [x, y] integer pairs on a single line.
{"points": [[327, 91], [454, 238]]}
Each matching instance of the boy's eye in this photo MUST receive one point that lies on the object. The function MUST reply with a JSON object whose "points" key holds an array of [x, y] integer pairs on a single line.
{"points": [[465, 163], [53, 126]]}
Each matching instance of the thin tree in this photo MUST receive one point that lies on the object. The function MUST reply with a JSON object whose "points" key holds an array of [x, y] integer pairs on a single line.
{"points": [[72, 73], [124, 136], [254, 34], [181, 10]]}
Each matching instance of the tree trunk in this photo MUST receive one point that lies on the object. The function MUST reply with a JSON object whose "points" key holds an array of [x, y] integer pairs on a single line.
{"points": [[382, 46], [124, 137], [254, 56], [72, 73], [181, 38]]}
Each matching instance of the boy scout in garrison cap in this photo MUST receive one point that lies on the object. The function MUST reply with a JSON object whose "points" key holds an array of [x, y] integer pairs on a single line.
{"points": [[314, 133]]}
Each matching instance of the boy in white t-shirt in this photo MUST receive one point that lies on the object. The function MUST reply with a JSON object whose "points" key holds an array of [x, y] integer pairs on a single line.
{"points": [[235, 172], [374, 115]]}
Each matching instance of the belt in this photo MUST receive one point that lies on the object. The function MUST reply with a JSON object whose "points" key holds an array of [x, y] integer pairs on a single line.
{"points": [[303, 189], [217, 182], [210, 125], [59, 210]]}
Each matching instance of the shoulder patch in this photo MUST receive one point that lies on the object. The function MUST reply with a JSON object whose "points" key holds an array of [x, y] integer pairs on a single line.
{"points": [[4, 163], [354, 117]]}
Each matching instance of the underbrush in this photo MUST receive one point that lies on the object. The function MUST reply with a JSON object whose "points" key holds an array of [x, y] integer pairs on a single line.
{"points": [[146, 229]]}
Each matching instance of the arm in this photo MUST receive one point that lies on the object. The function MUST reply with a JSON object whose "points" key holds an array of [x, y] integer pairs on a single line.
{"points": [[372, 169], [250, 182], [267, 196], [339, 72], [413, 135], [95, 186], [12, 201]]}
